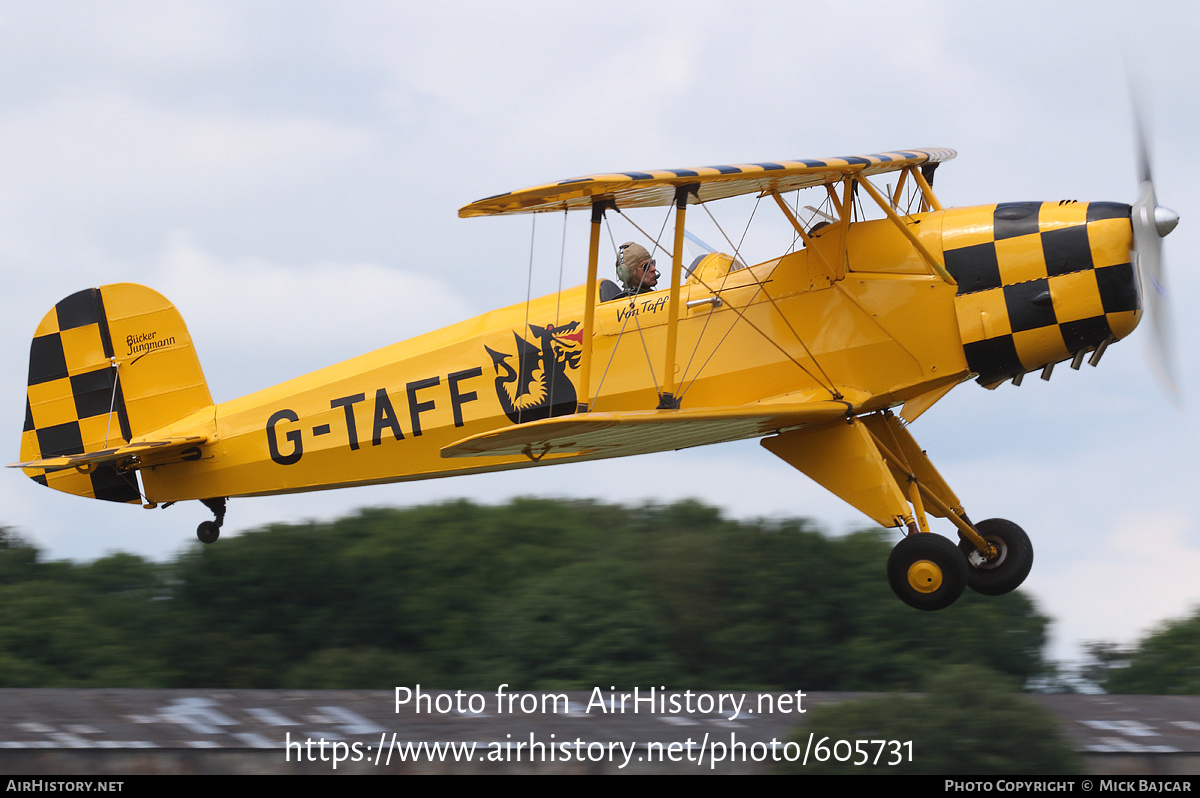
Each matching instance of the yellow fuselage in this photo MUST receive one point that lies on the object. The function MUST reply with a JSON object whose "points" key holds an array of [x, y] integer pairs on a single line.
{"points": [[858, 311]]}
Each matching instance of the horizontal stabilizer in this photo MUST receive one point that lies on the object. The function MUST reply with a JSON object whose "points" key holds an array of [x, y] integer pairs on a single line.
{"points": [[621, 433], [146, 453]]}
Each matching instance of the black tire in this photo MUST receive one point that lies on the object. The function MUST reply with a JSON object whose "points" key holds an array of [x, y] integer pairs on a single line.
{"points": [[927, 571], [1008, 570], [208, 532]]}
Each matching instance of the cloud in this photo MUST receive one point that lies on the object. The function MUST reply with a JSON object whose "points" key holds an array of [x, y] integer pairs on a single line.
{"points": [[139, 38], [256, 322], [1129, 579], [96, 150]]}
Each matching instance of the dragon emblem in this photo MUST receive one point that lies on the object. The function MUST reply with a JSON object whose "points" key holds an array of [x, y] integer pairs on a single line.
{"points": [[539, 386]]}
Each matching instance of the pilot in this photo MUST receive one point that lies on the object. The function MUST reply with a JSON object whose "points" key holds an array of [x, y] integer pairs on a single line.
{"points": [[635, 270]]}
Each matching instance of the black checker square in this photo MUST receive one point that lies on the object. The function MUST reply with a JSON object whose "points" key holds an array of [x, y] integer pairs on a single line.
{"points": [[1107, 210], [29, 427], [993, 358], [1012, 219], [1118, 288], [1028, 305], [93, 392], [47, 362], [1067, 250], [112, 486], [60, 439], [78, 310], [1084, 334], [974, 268]]}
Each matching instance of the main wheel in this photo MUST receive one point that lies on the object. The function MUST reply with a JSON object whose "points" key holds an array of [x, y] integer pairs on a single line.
{"points": [[927, 571], [208, 532], [1014, 558]]}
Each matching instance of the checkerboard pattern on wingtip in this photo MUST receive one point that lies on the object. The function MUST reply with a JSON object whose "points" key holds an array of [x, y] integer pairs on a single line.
{"points": [[74, 401], [1038, 282]]}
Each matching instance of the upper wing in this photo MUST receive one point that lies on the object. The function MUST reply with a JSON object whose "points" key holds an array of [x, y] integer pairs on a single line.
{"points": [[647, 189], [621, 433]]}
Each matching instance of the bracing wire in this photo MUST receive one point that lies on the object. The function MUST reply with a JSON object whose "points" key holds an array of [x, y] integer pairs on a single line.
{"points": [[528, 292], [113, 401], [613, 354], [657, 245], [746, 230], [708, 316], [562, 257], [741, 317], [632, 303]]}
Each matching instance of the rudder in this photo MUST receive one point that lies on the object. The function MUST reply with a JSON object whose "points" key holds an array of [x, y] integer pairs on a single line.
{"points": [[107, 365]]}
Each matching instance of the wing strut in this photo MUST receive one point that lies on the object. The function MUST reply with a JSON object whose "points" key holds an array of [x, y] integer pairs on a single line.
{"points": [[667, 400], [899, 192], [924, 252], [799, 228], [924, 177], [589, 305]]}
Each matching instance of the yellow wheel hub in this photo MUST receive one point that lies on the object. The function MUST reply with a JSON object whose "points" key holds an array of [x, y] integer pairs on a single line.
{"points": [[924, 576]]}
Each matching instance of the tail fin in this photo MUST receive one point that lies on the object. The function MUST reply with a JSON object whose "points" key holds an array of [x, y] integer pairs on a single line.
{"points": [[107, 367]]}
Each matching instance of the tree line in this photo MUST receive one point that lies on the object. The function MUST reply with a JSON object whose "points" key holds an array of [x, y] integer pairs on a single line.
{"points": [[535, 593]]}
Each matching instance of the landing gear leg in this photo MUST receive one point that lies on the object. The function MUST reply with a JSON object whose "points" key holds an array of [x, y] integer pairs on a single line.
{"points": [[209, 531], [875, 464]]}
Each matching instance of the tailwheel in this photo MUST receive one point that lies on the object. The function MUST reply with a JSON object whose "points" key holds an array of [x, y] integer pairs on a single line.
{"points": [[927, 571], [1007, 570], [208, 532]]}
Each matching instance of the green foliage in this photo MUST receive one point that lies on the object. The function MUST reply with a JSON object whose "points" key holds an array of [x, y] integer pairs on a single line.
{"points": [[784, 607], [1166, 662], [535, 593], [346, 668], [17, 558], [65, 625], [970, 721]]}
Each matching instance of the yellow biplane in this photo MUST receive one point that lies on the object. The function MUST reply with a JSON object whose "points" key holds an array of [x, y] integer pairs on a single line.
{"points": [[813, 349]]}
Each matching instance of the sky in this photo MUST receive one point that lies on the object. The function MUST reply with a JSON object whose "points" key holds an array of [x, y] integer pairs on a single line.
{"points": [[288, 174]]}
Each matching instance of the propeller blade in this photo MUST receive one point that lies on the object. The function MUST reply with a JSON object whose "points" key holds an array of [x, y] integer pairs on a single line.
{"points": [[1151, 222]]}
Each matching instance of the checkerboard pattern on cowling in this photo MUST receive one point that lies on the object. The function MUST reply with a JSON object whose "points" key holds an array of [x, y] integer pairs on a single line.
{"points": [[1038, 282], [74, 402]]}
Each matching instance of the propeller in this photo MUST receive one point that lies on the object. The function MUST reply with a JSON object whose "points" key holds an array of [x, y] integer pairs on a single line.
{"points": [[1151, 222]]}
